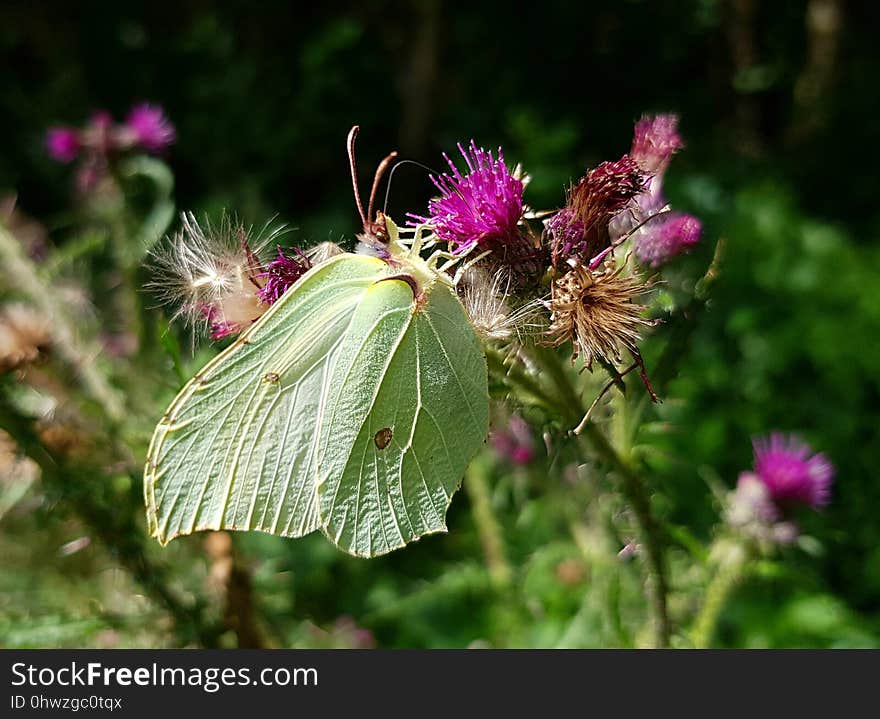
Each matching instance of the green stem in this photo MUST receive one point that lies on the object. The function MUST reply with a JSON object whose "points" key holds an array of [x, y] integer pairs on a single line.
{"points": [[650, 532], [491, 536], [726, 579], [568, 404]]}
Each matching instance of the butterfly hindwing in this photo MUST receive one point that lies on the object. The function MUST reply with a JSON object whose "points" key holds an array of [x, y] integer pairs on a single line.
{"points": [[393, 453]]}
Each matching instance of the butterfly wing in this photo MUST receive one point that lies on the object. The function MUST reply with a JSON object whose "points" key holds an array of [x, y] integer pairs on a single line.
{"points": [[408, 408], [236, 448]]}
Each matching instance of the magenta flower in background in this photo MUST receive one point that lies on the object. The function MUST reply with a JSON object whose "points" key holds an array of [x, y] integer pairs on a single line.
{"points": [[280, 274], [483, 207], [62, 144], [655, 140], [515, 442], [666, 237], [101, 140], [150, 127], [791, 473]]}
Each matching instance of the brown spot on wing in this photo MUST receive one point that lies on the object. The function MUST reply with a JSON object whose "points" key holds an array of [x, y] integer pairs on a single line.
{"points": [[383, 437]]}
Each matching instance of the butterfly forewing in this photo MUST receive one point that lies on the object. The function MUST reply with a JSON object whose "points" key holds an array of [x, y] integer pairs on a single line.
{"points": [[236, 448]]}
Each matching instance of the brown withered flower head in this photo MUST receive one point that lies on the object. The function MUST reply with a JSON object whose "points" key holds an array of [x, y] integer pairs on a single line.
{"points": [[580, 229], [597, 310]]}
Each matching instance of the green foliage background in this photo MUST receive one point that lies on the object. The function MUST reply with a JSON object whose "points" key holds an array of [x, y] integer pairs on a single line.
{"points": [[262, 97]]}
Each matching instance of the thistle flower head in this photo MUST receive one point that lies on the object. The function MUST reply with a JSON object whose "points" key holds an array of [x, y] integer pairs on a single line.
{"points": [[62, 144], [280, 274], [212, 275], [751, 511], [792, 475], [598, 313], [666, 237], [480, 208], [322, 252], [580, 229], [655, 140], [150, 127]]}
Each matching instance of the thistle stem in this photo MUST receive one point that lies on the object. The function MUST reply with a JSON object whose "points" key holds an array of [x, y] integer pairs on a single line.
{"points": [[491, 536], [634, 490], [725, 581], [649, 530]]}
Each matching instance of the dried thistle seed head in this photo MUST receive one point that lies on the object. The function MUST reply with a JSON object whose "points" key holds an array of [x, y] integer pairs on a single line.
{"points": [[493, 311], [322, 252], [597, 311], [24, 336], [211, 274]]}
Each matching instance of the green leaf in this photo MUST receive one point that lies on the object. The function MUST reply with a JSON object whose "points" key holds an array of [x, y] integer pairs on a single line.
{"points": [[160, 213]]}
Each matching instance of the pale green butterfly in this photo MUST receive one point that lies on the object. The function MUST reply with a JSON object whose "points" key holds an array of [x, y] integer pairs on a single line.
{"points": [[353, 405]]}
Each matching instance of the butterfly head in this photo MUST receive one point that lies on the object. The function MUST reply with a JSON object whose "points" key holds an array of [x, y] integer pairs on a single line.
{"points": [[374, 238]]}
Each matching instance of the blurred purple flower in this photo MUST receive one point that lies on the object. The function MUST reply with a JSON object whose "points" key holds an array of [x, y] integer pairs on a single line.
{"points": [[62, 144], [666, 237], [483, 207], [150, 127], [280, 274], [655, 140], [515, 442], [791, 474]]}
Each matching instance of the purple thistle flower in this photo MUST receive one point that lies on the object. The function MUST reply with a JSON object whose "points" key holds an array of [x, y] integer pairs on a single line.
{"points": [[281, 273], [790, 473], [483, 207], [655, 140], [580, 229], [150, 127], [62, 144], [218, 328], [666, 237]]}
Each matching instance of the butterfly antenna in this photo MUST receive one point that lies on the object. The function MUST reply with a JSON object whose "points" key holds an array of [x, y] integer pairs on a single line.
{"points": [[377, 178], [391, 177], [352, 162]]}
